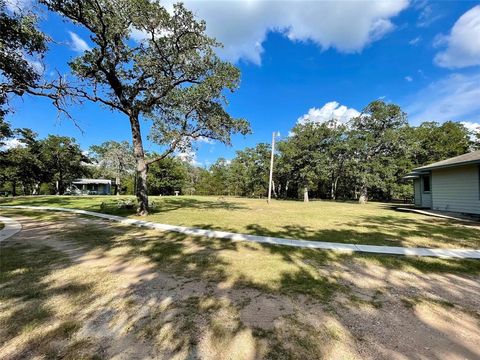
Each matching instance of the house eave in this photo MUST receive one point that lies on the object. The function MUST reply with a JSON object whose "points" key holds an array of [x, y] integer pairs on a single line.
{"points": [[415, 175], [92, 182], [464, 163]]}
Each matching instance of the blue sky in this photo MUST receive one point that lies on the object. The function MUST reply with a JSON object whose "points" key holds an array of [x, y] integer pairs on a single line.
{"points": [[305, 60]]}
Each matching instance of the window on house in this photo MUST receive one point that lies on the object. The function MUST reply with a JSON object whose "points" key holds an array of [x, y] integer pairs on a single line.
{"points": [[426, 183]]}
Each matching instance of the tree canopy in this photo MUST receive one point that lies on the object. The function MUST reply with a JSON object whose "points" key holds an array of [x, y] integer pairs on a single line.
{"points": [[21, 46], [54, 161], [114, 160], [172, 76]]}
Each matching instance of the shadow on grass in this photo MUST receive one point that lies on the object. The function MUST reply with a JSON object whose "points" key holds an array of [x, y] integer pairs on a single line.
{"points": [[198, 266], [381, 230], [392, 230], [109, 204], [26, 294]]}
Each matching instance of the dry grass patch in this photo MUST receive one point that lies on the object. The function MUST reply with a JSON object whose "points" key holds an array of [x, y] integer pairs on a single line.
{"points": [[93, 289]]}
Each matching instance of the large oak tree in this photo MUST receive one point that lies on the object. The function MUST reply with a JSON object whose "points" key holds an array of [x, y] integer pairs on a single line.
{"points": [[378, 139], [171, 76]]}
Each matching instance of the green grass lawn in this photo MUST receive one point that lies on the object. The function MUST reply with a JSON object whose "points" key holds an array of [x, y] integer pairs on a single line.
{"points": [[345, 222]]}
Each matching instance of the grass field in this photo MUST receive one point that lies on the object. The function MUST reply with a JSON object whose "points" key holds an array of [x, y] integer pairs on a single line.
{"points": [[344, 222], [78, 287]]}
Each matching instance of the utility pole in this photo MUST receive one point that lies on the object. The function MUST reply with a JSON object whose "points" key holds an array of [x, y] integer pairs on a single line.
{"points": [[271, 168]]}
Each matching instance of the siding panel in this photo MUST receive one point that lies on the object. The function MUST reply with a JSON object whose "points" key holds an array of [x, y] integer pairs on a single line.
{"points": [[456, 189], [426, 196], [417, 191]]}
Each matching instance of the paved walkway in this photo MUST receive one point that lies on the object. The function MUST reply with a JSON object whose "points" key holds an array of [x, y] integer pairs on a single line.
{"points": [[11, 228], [391, 250], [440, 214]]}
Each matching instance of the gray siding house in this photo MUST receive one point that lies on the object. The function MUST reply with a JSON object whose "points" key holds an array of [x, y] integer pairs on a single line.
{"points": [[91, 186], [449, 185]]}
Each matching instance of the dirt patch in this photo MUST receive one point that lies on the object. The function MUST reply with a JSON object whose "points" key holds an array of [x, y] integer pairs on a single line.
{"points": [[125, 307], [264, 310]]}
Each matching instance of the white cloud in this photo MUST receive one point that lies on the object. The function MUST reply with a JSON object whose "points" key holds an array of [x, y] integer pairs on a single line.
{"points": [[189, 156], [205, 140], [473, 127], [330, 111], [137, 35], [454, 97], [463, 42], [242, 26], [408, 78], [415, 41], [37, 66], [428, 15], [77, 43], [11, 144]]}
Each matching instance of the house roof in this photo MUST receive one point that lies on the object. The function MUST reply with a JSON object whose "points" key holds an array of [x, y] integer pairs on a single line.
{"points": [[412, 175], [469, 158], [91, 181]]}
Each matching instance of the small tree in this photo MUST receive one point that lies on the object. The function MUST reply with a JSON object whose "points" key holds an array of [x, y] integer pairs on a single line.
{"points": [[167, 176], [114, 159], [172, 77], [63, 160], [250, 170]]}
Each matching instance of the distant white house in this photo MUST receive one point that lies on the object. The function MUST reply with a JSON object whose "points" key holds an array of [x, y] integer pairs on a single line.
{"points": [[91, 187], [449, 185]]}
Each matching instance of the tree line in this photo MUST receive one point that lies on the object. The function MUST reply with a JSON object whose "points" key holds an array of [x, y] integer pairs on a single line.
{"points": [[365, 158]]}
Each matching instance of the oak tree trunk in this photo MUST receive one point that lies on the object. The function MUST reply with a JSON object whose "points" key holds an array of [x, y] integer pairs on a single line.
{"points": [[363, 195], [141, 167], [334, 188], [36, 188], [117, 186]]}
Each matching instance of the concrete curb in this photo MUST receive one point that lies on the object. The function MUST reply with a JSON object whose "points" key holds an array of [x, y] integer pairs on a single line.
{"points": [[11, 228], [390, 250]]}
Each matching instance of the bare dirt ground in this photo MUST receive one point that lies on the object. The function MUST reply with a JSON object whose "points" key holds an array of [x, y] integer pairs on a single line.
{"points": [[130, 308]]}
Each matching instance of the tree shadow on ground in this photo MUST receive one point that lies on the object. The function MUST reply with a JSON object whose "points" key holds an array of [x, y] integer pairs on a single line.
{"points": [[193, 291], [26, 295], [438, 230], [109, 206], [381, 230]]}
